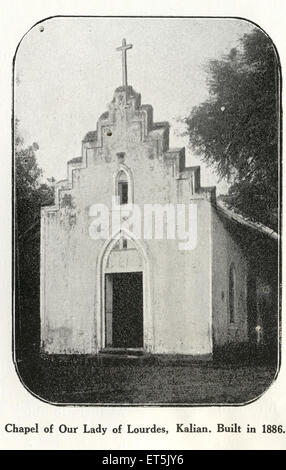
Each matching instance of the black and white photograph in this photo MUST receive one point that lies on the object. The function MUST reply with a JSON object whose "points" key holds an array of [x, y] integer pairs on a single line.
{"points": [[146, 211]]}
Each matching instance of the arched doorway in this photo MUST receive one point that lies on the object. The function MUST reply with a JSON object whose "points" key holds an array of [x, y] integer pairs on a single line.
{"points": [[123, 309]]}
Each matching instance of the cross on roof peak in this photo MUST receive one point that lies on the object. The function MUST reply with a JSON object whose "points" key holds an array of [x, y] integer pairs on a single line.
{"points": [[123, 48]]}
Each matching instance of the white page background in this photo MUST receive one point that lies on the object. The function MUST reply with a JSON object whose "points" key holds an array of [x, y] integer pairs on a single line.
{"points": [[17, 405]]}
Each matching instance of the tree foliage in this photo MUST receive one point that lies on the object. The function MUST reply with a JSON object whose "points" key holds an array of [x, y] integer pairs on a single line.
{"points": [[30, 194], [236, 128]]}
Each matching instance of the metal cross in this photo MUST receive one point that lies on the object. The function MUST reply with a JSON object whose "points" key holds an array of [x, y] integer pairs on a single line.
{"points": [[124, 48]]}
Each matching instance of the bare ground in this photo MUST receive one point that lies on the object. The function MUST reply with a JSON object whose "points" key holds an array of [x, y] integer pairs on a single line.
{"points": [[146, 382]]}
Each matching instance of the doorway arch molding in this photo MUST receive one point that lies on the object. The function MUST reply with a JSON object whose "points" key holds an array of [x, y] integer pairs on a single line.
{"points": [[148, 320]]}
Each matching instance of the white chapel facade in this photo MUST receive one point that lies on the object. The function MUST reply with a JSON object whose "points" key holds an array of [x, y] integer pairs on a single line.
{"points": [[131, 293]]}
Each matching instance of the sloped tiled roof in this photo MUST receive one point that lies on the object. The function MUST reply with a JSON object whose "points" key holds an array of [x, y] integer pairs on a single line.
{"points": [[233, 215]]}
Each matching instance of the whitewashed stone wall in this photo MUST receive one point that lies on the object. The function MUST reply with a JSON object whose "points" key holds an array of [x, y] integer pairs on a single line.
{"points": [[181, 288]]}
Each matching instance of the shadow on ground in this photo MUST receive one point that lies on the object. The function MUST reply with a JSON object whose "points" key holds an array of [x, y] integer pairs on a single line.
{"points": [[86, 380]]}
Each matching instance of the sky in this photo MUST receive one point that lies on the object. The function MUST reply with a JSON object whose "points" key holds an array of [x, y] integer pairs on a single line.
{"points": [[67, 69]]}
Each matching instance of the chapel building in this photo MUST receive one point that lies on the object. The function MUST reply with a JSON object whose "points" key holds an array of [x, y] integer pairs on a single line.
{"points": [[147, 294]]}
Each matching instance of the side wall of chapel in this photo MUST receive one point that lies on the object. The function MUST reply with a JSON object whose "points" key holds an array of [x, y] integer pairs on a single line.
{"points": [[227, 255]]}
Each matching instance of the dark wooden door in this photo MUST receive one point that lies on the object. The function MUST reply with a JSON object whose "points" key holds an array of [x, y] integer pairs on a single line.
{"points": [[127, 310]]}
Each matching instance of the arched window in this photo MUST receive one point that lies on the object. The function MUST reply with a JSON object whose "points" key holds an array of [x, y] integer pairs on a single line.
{"points": [[122, 187], [232, 294]]}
